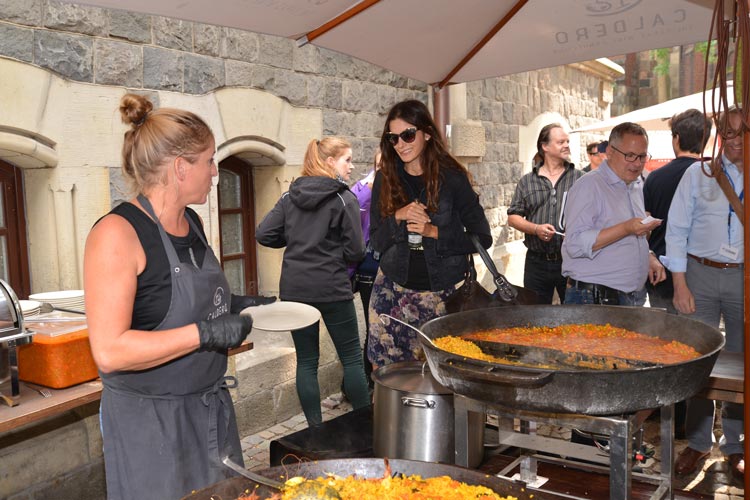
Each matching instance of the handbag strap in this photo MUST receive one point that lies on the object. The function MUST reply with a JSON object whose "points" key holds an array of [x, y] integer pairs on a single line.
{"points": [[471, 272], [505, 290]]}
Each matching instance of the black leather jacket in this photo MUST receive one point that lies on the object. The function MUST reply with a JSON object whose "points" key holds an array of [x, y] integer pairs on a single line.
{"points": [[458, 212]]}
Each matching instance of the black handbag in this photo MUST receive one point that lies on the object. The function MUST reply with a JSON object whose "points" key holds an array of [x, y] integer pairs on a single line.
{"points": [[472, 295]]}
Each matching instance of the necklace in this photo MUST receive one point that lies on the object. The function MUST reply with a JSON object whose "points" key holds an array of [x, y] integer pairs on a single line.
{"points": [[192, 257], [553, 175]]}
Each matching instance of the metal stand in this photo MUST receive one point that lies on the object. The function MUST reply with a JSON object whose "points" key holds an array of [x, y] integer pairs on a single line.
{"points": [[619, 429]]}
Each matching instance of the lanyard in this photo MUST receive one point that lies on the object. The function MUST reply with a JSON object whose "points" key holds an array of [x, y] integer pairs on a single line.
{"points": [[731, 209]]}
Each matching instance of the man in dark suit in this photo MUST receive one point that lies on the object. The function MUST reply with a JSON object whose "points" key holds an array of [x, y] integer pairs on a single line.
{"points": [[690, 132]]}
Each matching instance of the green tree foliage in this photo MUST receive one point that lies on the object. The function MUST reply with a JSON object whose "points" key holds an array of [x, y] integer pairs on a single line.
{"points": [[661, 56]]}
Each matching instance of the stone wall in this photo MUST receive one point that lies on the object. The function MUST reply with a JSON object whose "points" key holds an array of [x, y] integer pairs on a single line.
{"points": [[139, 51], [512, 110]]}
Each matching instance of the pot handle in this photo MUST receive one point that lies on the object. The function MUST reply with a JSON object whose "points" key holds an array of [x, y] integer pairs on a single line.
{"points": [[417, 403], [504, 377]]}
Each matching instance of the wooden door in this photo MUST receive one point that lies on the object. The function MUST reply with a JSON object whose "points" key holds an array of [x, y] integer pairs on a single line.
{"points": [[14, 253], [237, 226]]}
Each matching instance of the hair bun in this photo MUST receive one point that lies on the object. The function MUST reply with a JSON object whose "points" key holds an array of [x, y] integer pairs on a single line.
{"points": [[134, 109]]}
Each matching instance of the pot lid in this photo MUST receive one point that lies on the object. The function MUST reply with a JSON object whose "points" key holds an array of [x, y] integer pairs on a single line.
{"points": [[409, 376]]}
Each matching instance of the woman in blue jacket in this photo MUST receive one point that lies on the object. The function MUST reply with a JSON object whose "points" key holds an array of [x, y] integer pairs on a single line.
{"points": [[318, 222], [422, 206]]}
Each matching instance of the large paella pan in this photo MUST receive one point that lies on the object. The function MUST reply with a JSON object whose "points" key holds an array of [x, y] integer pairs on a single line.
{"points": [[230, 489], [567, 390]]}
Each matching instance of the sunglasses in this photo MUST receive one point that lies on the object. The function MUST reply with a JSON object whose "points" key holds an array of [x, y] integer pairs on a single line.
{"points": [[407, 136]]}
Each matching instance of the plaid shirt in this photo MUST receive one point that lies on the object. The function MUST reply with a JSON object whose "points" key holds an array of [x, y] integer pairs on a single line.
{"points": [[538, 201]]}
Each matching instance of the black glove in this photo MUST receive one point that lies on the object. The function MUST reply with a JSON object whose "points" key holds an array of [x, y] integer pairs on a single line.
{"points": [[240, 302], [224, 332]]}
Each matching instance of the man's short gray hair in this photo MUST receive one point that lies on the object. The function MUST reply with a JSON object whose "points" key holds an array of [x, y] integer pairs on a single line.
{"points": [[626, 128]]}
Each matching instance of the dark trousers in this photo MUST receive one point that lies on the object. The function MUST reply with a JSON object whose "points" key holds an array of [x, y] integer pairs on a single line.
{"points": [[364, 287], [341, 321], [661, 294], [544, 277]]}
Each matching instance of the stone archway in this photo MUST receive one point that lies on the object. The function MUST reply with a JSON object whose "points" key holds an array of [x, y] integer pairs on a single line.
{"points": [[26, 149]]}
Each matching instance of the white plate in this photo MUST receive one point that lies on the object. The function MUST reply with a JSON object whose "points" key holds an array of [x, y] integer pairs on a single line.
{"points": [[58, 295], [29, 306], [282, 316]]}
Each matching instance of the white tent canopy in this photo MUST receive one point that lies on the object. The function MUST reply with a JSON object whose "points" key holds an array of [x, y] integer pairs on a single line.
{"points": [[657, 117], [447, 41]]}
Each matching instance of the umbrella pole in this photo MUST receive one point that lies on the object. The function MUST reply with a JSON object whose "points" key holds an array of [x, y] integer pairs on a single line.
{"points": [[746, 301], [746, 275], [441, 103]]}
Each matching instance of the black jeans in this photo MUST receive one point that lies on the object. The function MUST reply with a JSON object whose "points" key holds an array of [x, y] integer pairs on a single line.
{"points": [[543, 276]]}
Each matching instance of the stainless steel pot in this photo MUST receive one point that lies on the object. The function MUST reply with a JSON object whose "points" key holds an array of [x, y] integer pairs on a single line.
{"points": [[413, 417], [590, 392], [4, 363]]}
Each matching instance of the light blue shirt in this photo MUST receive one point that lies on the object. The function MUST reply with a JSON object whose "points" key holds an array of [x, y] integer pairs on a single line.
{"points": [[598, 200], [699, 221]]}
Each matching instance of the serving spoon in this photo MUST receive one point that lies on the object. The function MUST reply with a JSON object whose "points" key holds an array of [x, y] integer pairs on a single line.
{"points": [[307, 490], [382, 317]]}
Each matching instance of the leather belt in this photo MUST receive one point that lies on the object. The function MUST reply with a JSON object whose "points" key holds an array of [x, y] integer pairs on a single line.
{"points": [[602, 293], [551, 257], [713, 263]]}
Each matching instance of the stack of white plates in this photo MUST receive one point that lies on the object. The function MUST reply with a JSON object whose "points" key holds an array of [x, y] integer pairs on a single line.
{"points": [[30, 307], [66, 299]]}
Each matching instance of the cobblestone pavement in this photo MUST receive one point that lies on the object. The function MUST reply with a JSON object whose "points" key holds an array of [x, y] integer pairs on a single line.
{"points": [[255, 448], [713, 479]]}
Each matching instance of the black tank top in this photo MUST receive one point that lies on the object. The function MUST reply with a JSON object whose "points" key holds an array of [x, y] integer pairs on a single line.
{"points": [[418, 277], [154, 290]]}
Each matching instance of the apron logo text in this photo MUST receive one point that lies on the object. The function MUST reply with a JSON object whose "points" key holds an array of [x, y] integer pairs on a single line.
{"points": [[218, 296]]}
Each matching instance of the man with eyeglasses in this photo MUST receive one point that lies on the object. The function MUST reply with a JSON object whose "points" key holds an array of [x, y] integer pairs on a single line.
{"points": [[705, 253], [595, 157], [606, 257]]}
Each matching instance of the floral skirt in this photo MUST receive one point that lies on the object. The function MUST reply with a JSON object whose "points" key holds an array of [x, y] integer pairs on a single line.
{"points": [[389, 341]]}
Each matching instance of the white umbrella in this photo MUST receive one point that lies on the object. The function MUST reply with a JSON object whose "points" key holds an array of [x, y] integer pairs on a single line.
{"points": [[657, 117], [444, 41]]}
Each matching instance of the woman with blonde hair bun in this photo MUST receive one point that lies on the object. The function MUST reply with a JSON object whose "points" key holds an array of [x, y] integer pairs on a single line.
{"points": [[161, 315], [317, 221]]}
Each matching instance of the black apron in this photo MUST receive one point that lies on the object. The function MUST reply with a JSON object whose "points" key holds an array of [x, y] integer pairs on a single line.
{"points": [[166, 428]]}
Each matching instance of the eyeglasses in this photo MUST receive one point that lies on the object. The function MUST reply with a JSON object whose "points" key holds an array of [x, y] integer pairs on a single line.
{"points": [[593, 153], [407, 136], [632, 157]]}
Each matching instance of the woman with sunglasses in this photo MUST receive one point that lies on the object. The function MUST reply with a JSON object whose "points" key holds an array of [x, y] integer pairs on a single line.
{"points": [[422, 206]]}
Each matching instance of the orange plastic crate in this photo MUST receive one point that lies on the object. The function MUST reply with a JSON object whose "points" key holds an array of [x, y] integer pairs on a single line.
{"points": [[57, 362]]}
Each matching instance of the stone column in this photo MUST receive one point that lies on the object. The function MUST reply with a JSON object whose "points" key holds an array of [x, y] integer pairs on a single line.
{"points": [[65, 237]]}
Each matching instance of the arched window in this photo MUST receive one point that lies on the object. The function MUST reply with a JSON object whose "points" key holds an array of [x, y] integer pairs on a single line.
{"points": [[237, 226], [14, 254]]}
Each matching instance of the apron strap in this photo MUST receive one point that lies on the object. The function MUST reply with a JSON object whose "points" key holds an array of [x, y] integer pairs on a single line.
{"points": [[174, 261], [213, 398]]}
